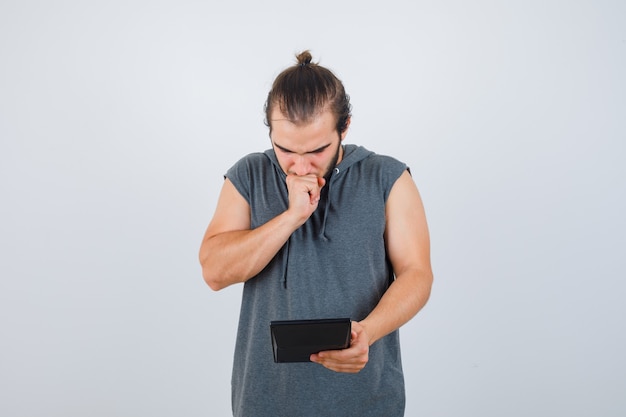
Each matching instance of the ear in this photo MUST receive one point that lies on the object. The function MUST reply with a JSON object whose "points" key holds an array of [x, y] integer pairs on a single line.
{"points": [[345, 132]]}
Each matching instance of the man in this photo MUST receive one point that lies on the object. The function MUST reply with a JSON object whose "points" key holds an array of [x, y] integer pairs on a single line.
{"points": [[318, 229]]}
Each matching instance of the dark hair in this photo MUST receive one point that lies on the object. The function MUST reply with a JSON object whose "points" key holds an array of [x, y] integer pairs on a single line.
{"points": [[306, 89]]}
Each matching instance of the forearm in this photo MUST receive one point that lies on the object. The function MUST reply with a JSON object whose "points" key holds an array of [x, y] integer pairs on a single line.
{"points": [[236, 256], [404, 298]]}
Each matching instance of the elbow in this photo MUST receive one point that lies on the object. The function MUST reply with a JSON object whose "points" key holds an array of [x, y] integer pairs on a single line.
{"points": [[423, 285], [211, 280], [429, 278], [210, 275], [218, 273], [215, 286], [428, 285]]}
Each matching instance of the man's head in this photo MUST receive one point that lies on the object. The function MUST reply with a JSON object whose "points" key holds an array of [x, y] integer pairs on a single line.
{"points": [[308, 113], [313, 148], [304, 91]]}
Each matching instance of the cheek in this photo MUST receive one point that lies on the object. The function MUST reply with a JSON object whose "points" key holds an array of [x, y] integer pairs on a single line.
{"points": [[285, 161], [319, 161]]}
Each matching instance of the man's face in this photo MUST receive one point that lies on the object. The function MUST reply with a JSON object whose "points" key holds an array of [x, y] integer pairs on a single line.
{"points": [[310, 149]]}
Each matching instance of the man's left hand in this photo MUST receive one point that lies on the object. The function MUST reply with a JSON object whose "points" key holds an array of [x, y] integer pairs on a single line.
{"points": [[349, 360]]}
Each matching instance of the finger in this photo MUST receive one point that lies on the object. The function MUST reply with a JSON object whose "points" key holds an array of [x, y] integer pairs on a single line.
{"points": [[315, 190], [342, 366], [352, 359]]}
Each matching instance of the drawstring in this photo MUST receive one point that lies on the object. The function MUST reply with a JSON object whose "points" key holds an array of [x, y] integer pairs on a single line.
{"points": [[327, 207], [286, 262]]}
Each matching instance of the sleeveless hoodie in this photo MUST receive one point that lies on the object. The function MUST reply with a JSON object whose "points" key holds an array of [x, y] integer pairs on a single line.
{"points": [[334, 265]]}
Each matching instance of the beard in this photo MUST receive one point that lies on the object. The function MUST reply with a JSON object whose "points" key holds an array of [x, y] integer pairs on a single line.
{"points": [[333, 163]]}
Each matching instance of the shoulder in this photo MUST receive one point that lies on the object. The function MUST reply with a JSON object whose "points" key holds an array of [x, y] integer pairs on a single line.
{"points": [[250, 164], [363, 157], [385, 162], [242, 172], [255, 171], [384, 167], [368, 170]]}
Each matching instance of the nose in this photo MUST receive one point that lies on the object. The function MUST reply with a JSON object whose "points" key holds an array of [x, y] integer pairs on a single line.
{"points": [[301, 165]]}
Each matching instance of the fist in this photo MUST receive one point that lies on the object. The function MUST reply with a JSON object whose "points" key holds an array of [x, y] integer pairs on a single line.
{"points": [[304, 194]]}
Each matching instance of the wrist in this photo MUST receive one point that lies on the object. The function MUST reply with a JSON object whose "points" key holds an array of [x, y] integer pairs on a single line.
{"points": [[369, 332], [292, 219]]}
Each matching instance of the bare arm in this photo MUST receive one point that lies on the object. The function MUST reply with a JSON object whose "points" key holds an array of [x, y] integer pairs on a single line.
{"points": [[408, 247], [231, 252]]}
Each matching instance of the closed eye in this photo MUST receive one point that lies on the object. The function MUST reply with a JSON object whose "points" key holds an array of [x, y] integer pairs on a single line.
{"points": [[314, 151], [283, 149], [320, 150]]}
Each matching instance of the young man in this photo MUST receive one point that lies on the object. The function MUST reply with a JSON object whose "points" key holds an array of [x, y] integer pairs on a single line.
{"points": [[318, 229]]}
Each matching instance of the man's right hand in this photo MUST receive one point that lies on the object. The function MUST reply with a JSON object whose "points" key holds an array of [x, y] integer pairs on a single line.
{"points": [[304, 194], [229, 235]]}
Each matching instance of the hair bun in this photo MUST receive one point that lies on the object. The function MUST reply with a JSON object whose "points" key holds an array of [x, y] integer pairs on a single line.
{"points": [[304, 58]]}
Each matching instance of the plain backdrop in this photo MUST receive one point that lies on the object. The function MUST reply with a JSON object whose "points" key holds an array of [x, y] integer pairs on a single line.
{"points": [[119, 118]]}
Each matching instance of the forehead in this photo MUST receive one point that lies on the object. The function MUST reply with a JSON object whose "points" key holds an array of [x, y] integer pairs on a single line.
{"points": [[303, 137]]}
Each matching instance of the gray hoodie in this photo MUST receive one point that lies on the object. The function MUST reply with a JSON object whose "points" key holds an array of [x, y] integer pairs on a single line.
{"points": [[334, 265]]}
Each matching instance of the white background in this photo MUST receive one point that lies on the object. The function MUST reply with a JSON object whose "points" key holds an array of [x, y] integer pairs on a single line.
{"points": [[118, 119]]}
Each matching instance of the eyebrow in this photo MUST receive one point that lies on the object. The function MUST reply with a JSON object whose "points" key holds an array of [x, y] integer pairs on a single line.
{"points": [[318, 150]]}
